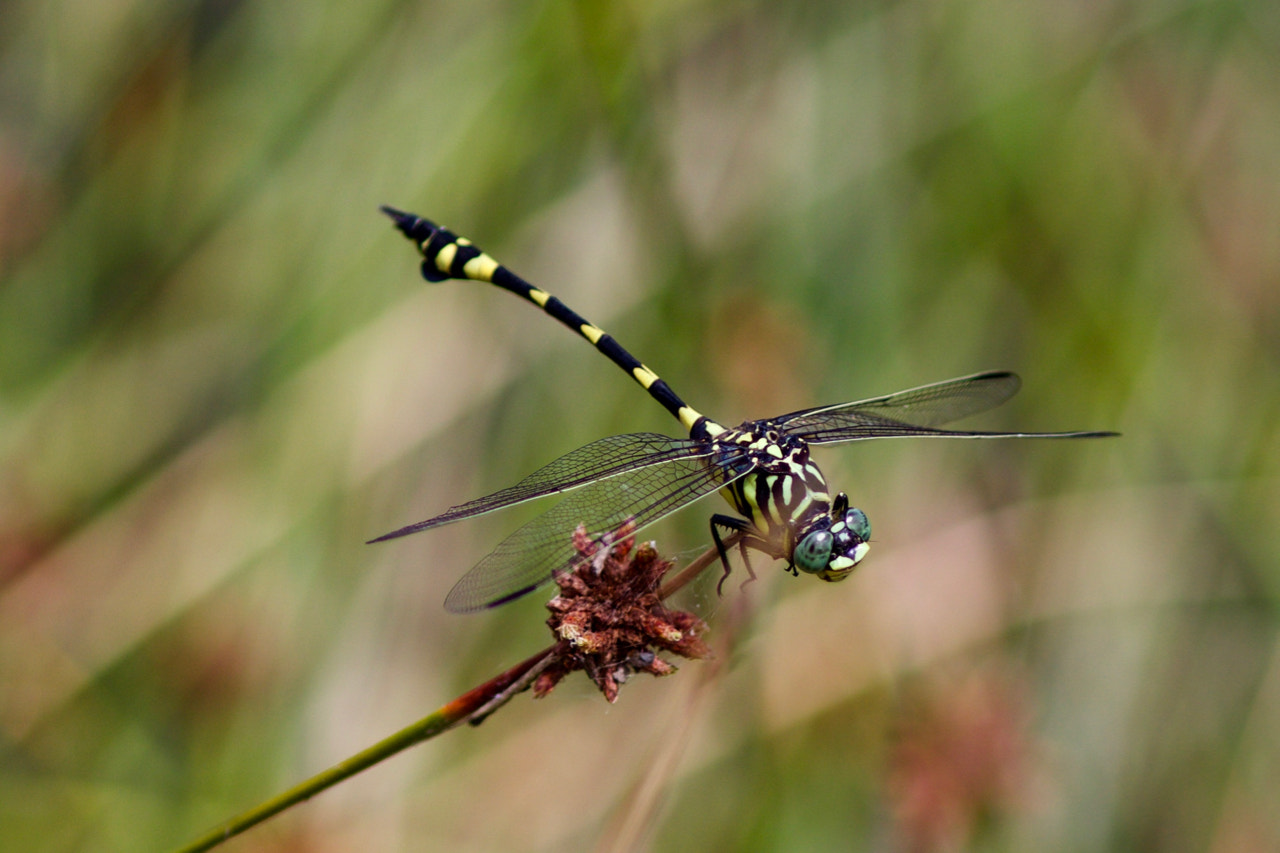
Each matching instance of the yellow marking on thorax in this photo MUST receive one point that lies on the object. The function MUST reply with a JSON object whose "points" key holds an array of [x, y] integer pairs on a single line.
{"points": [[444, 257], [591, 333], [772, 519], [731, 494], [802, 506], [480, 268], [750, 496]]}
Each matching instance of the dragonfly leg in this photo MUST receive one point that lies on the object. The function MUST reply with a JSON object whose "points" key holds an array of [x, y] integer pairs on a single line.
{"points": [[746, 561], [748, 540], [728, 522]]}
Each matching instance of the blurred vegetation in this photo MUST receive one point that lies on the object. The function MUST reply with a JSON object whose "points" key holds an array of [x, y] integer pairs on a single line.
{"points": [[220, 374]]}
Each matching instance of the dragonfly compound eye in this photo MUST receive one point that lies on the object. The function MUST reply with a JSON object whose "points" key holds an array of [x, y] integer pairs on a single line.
{"points": [[813, 552], [856, 520]]}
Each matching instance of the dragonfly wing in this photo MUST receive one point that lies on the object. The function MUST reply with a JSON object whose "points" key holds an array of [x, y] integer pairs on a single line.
{"points": [[538, 551], [861, 431], [607, 457], [915, 412], [928, 405]]}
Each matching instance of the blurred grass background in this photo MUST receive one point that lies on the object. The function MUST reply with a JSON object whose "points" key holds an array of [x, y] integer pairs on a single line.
{"points": [[220, 374]]}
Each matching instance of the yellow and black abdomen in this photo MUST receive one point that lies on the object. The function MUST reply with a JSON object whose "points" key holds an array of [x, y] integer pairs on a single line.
{"points": [[446, 255]]}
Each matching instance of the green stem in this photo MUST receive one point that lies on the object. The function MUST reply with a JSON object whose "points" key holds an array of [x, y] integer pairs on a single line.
{"points": [[445, 718]]}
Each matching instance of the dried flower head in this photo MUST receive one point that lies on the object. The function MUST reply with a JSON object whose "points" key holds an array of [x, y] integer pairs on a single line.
{"points": [[608, 619]]}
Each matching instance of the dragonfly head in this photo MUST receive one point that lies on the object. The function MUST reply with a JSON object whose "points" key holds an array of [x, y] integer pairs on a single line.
{"points": [[834, 550]]}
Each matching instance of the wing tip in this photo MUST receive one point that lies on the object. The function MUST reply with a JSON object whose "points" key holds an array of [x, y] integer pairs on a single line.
{"points": [[396, 534], [1003, 375]]}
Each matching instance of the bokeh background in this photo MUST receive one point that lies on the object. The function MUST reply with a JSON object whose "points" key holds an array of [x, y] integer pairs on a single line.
{"points": [[220, 374]]}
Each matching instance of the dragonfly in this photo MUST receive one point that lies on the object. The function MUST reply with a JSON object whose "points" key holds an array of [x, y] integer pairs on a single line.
{"points": [[784, 507]]}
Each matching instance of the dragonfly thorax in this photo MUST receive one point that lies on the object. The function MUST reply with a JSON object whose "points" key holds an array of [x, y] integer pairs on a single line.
{"points": [[786, 500]]}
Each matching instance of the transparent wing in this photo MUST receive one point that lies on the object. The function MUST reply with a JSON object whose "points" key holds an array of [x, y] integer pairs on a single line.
{"points": [[607, 457], [535, 553], [915, 412]]}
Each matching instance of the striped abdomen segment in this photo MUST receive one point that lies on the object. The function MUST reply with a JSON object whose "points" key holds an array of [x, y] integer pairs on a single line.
{"points": [[446, 255]]}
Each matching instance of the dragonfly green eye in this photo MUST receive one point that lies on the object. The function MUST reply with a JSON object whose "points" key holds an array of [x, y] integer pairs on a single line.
{"points": [[857, 521], [813, 551]]}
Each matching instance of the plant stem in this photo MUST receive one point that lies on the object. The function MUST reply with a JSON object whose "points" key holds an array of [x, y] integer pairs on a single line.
{"points": [[445, 718]]}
